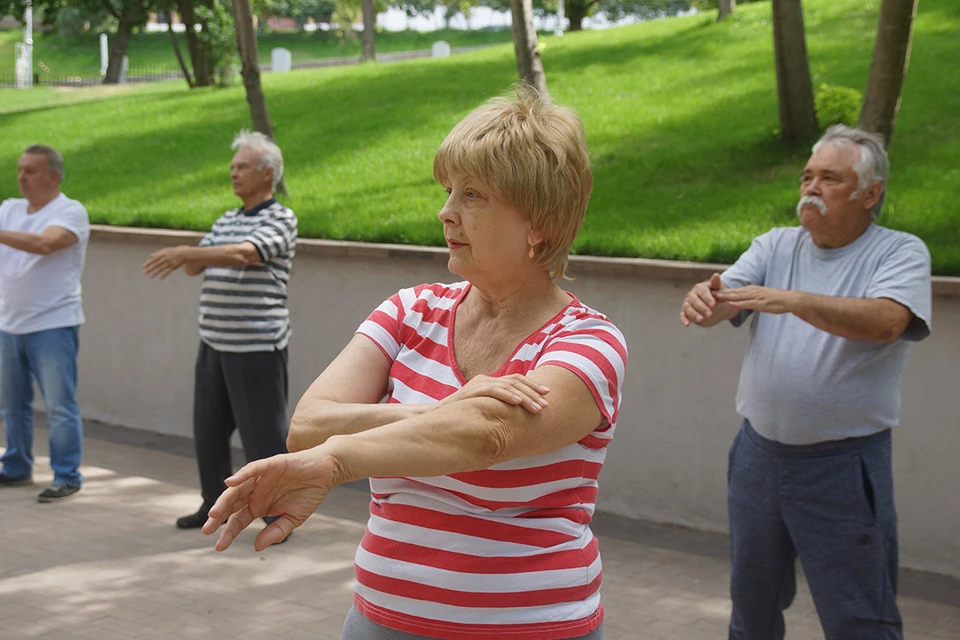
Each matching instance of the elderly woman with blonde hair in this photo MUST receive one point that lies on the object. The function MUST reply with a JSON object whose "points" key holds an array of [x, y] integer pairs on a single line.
{"points": [[502, 395]]}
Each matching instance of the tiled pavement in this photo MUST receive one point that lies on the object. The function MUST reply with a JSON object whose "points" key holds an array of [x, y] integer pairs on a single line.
{"points": [[110, 564]]}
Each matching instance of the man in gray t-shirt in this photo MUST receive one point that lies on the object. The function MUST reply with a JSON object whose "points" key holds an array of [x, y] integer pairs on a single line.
{"points": [[834, 305]]}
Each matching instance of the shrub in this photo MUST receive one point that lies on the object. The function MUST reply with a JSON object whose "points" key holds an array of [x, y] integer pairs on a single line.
{"points": [[837, 105]]}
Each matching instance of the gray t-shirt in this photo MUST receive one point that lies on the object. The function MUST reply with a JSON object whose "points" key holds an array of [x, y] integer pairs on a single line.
{"points": [[801, 385]]}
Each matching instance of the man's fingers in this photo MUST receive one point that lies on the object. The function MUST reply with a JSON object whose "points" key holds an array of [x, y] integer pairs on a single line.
{"points": [[689, 315], [705, 296], [699, 306]]}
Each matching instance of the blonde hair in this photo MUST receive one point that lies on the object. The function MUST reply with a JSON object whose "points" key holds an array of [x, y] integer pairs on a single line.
{"points": [[534, 156]]}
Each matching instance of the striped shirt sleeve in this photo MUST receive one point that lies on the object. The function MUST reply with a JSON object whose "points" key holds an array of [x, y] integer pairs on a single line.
{"points": [[276, 235], [210, 239], [383, 325], [594, 349]]}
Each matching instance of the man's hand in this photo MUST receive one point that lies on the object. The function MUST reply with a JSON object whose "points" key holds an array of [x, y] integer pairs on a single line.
{"points": [[701, 306], [757, 298], [162, 263]]}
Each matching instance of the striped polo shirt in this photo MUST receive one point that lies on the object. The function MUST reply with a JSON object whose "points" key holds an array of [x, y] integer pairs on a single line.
{"points": [[244, 309], [504, 552]]}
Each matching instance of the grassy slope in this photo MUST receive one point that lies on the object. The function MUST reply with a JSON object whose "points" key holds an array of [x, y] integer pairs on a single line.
{"points": [[81, 56], [679, 116]]}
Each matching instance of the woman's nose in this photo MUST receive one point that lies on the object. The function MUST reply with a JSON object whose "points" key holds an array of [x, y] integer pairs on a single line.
{"points": [[447, 213]]}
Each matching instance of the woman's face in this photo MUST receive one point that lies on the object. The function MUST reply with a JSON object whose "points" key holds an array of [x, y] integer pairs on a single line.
{"points": [[487, 237]]}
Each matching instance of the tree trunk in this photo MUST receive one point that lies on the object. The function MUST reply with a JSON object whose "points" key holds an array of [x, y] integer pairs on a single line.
{"points": [[725, 8], [798, 116], [891, 56], [576, 11], [176, 50], [250, 70], [369, 28], [118, 49], [529, 65], [199, 56]]}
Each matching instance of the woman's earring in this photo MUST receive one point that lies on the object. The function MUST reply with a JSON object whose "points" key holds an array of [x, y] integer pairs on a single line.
{"points": [[531, 254]]}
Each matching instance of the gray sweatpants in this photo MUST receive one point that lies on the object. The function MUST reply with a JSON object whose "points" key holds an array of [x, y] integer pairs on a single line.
{"points": [[356, 627], [831, 505]]}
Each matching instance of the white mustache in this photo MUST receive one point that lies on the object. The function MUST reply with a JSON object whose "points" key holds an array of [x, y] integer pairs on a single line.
{"points": [[815, 201]]}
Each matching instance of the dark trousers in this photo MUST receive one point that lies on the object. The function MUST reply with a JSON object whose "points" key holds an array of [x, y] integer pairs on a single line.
{"points": [[245, 391], [831, 505]]}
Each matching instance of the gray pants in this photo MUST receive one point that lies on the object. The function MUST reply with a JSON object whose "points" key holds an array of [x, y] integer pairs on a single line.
{"points": [[356, 627], [831, 505]]}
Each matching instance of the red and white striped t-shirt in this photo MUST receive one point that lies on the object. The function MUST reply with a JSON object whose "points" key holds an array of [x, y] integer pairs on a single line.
{"points": [[505, 552]]}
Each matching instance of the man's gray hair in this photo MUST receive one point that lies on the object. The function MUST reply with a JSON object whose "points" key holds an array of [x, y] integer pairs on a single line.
{"points": [[270, 155], [873, 165], [54, 159]]}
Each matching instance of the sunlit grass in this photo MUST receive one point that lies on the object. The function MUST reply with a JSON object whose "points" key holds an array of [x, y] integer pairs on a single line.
{"points": [[680, 117]]}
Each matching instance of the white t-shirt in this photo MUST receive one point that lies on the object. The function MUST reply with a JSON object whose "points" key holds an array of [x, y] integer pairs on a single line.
{"points": [[41, 292]]}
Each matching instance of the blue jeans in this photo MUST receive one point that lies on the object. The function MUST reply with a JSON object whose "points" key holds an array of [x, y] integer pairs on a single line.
{"points": [[50, 358], [829, 504]]}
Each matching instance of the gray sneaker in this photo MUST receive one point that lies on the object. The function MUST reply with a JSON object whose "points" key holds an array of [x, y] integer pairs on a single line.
{"points": [[57, 492], [7, 481]]}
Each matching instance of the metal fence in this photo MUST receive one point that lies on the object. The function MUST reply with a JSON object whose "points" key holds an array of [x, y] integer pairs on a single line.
{"points": [[135, 75]]}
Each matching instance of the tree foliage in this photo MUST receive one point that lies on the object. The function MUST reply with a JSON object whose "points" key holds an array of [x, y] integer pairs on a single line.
{"points": [[220, 38]]}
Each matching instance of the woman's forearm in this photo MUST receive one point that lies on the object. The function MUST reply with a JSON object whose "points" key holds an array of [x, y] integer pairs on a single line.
{"points": [[463, 436], [315, 421]]}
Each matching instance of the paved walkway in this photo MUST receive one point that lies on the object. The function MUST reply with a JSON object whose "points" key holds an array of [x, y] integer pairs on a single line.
{"points": [[109, 564]]}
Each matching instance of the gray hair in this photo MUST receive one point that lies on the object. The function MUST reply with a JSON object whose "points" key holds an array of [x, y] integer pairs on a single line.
{"points": [[873, 165], [54, 159], [270, 155]]}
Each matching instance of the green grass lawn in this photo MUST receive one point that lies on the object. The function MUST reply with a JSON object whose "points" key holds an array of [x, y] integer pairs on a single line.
{"points": [[55, 55], [680, 117]]}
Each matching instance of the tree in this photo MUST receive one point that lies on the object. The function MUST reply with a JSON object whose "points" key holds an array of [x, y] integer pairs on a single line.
{"points": [[176, 46], [250, 70], [200, 50], [798, 118], [725, 8], [130, 15], [369, 29], [577, 10], [529, 65], [891, 57], [250, 67]]}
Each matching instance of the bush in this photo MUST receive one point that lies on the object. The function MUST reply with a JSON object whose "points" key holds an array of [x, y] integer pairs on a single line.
{"points": [[837, 105]]}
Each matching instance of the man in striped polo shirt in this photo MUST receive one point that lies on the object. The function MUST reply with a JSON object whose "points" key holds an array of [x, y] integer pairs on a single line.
{"points": [[241, 371]]}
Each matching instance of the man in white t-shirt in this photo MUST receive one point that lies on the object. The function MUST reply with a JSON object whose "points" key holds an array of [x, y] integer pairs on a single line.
{"points": [[43, 243]]}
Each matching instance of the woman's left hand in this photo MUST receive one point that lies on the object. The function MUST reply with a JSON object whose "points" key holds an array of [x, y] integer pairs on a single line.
{"points": [[290, 486], [514, 389]]}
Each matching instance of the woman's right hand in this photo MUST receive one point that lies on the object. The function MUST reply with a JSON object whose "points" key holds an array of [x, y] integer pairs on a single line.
{"points": [[289, 486], [514, 389]]}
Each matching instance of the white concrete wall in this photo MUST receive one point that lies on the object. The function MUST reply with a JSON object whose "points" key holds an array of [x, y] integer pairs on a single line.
{"points": [[668, 461]]}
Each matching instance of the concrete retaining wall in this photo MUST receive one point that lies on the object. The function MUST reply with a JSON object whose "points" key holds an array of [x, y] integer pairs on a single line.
{"points": [[668, 462]]}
